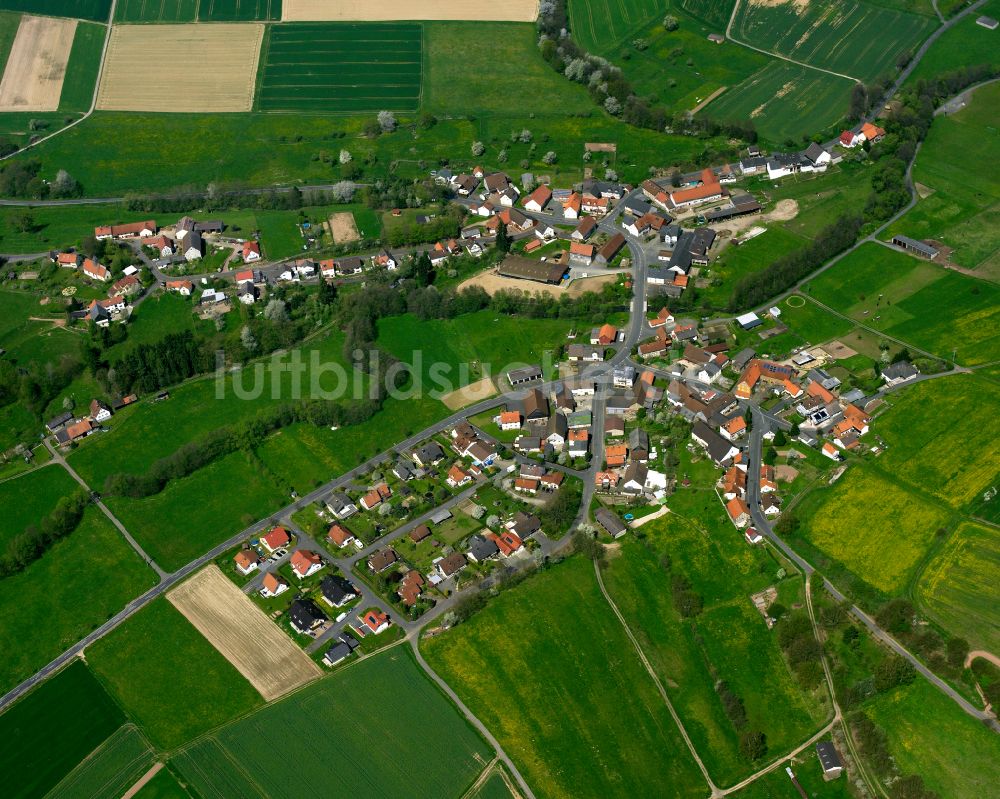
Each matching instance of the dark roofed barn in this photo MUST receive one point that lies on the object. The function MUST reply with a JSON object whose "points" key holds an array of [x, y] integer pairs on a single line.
{"points": [[526, 269]]}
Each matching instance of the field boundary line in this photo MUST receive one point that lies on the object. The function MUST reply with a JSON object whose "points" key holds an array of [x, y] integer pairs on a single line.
{"points": [[716, 791], [729, 35], [141, 782]]}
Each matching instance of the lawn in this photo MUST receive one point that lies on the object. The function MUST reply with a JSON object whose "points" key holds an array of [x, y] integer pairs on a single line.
{"points": [[96, 10], [957, 460], [958, 587], [30, 497], [53, 728], [53, 603], [156, 10], [944, 312], [195, 513], [171, 681], [341, 67], [156, 317], [853, 38], [111, 770], [577, 713], [339, 730], [84, 64], [691, 655], [963, 206], [930, 736], [450, 353], [735, 263], [865, 515], [460, 62], [785, 101], [238, 10], [964, 44], [814, 324]]}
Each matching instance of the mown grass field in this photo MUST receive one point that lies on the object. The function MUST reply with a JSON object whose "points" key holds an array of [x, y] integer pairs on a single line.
{"points": [[963, 206], [30, 497], [82, 68], [341, 67], [168, 678], [156, 10], [96, 10], [238, 10], [163, 786], [53, 728], [964, 44], [943, 312], [578, 714], [486, 343], [735, 263], [866, 515], [369, 743], [785, 101], [691, 655], [858, 39], [473, 50], [929, 735], [958, 587], [111, 770], [812, 323], [53, 603], [600, 25], [954, 460]]}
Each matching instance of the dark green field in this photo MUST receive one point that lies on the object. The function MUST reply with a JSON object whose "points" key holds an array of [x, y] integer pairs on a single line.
{"points": [[157, 10], [332, 67], [171, 681], [238, 10], [96, 10], [82, 68], [52, 729]]}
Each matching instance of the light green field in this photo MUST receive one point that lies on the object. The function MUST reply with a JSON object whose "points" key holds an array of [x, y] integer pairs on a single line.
{"points": [[690, 655], [598, 26], [956, 460], [368, 744], [53, 603], [863, 517], [112, 769], [943, 312], [812, 323], [785, 101], [962, 45], [929, 735], [52, 729], [857, 39], [168, 678], [963, 210], [958, 587], [735, 263], [163, 786], [575, 698]]}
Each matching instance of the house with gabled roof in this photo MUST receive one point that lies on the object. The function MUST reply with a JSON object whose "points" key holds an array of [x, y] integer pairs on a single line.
{"points": [[337, 591], [374, 622], [305, 563], [305, 616], [247, 561], [382, 559], [538, 199], [739, 513], [276, 538], [273, 585], [340, 536]]}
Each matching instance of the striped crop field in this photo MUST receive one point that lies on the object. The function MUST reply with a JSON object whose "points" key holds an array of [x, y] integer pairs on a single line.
{"points": [[600, 25], [155, 10], [852, 38], [341, 67], [238, 10]]}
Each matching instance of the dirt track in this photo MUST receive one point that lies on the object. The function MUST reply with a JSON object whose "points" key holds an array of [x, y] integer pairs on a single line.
{"points": [[343, 227], [345, 10], [244, 635], [35, 69], [181, 68], [491, 283]]}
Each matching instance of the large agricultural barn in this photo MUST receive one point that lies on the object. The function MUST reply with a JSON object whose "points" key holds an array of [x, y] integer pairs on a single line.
{"points": [[525, 269]]}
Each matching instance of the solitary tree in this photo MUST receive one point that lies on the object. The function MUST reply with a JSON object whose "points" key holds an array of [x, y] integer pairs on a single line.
{"points": [[387, 121], [478, 148], [550, 157], [503, 238], [670, 22], [247, 339], [345, 157]]}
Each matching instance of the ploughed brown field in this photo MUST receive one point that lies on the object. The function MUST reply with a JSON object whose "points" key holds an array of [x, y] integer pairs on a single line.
{"points": [[36, 67], [243, 633], [350, 11], [181, 68]]}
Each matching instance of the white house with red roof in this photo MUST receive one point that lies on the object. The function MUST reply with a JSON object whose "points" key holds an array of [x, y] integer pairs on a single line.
{"points": [[273, 585], [276, 539], [538, 199], [305, 563], [95, 271], [374, 622], [246, 561], [340, 535], [251, 251], [457, 476]]}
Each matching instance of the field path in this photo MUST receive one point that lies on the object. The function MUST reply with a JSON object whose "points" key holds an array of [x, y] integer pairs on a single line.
{"points": [[708, 99], [729, 35], [716, 791], [141, 782], [982, 653]]}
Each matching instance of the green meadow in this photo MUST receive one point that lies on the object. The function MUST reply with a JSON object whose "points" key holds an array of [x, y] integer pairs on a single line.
{"points": [[30, 497], [941, 311], [111, 769], [608, 710], [167, 677], [962, 45]]}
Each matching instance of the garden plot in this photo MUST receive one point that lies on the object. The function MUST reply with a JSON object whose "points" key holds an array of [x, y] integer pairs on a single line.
{"points": [[36, 66], [249, 640], [205, 68]]}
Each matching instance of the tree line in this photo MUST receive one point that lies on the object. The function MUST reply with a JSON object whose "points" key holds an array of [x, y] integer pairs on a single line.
{"points": [[30, 545]]}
